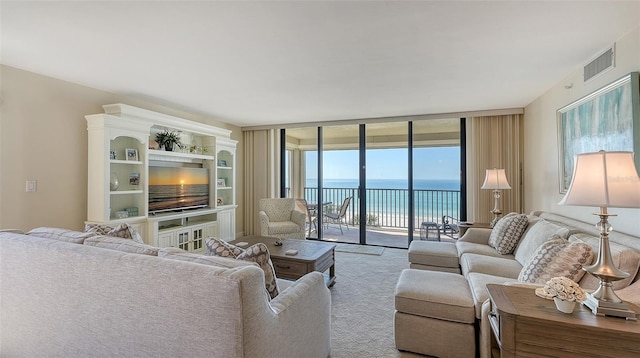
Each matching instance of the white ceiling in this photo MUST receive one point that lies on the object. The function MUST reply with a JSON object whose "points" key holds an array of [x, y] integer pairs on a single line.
{"points": [[262, 62]]}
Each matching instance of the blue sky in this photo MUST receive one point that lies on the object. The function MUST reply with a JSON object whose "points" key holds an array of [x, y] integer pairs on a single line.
{"points": [[429, 163]]}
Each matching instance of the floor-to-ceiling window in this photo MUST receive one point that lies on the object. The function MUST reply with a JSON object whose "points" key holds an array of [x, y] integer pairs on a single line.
{"points": [[301, 157], [389, 178], [436, 176], [387, 190]]}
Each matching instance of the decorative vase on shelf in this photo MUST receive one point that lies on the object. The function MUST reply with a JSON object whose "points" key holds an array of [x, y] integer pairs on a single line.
{"points": [[114, 183], [564, 305]]}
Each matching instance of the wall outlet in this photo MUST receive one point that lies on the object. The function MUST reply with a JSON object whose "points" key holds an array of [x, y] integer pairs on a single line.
{"points": [[32, 186]]}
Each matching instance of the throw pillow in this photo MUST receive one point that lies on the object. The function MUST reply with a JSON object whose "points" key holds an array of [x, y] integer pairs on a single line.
{"points": [[258, 253], [507, 232], [540, 232], [217, 247], [123, 231], [557, 257]]}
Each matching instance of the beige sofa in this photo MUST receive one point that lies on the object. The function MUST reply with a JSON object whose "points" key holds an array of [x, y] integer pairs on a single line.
{"points": [[113, 297], [480, 264]]}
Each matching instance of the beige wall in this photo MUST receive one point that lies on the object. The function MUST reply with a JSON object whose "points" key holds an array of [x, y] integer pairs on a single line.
{"points": [[43, 137], [541, 146]]}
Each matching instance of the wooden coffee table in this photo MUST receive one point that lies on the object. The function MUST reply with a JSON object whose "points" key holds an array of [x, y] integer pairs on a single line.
{"points": [[312, 256]]}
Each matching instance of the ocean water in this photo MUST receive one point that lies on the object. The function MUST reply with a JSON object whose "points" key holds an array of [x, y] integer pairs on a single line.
{"points": [[168, 197], [388, 199]]}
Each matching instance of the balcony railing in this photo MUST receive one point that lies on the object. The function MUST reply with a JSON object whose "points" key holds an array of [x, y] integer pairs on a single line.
{"points": [[390, 207]]}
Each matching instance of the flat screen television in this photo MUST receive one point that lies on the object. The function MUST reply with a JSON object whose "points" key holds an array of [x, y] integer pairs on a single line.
{"points": [[177, 188]]}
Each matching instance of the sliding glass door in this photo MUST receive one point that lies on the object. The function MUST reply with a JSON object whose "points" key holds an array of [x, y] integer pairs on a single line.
{"points": [[340, 183], [387, 191], [302, 174], [436, 177], [375, 183]]}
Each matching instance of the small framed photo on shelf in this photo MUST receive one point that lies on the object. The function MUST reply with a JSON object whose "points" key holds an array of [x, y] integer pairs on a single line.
{"points": [[131, 154], [112, 155], [221, 182], [134, 179], [222, 163]]}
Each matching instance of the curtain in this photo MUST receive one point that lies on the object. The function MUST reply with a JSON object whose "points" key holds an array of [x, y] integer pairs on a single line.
{"points": [[261, 174], [296, 174], [494, 142]]}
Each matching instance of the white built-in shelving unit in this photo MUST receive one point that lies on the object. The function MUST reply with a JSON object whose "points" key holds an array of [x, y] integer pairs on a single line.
{"points": [[124, 130]]}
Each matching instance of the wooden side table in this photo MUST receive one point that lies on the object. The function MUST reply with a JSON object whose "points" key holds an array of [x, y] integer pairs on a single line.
{"points": [[525, 325], [463, 226]]}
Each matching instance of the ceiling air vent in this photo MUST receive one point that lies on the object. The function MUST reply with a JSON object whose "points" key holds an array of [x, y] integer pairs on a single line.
{"points": [[600, 64]]}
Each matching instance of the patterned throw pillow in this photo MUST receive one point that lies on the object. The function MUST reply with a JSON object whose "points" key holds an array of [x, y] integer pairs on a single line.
{"points": [[217, 247], [123, 231], [557, 257], [258, 253], [507, 232]]}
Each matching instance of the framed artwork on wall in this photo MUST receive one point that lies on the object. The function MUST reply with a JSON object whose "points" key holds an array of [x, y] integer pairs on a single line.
{"points": [[607, 119]]}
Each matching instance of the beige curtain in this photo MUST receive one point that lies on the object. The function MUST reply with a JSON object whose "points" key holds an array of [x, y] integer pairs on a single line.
{"points": [[493, 142], [296, 174], [261, 173]]}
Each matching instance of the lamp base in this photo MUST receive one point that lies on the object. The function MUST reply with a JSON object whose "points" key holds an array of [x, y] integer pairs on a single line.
{"points": [[614, 309], [494, 221]]}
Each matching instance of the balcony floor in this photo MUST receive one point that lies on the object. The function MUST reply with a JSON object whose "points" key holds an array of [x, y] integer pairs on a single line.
{"points": [[378, 236]]}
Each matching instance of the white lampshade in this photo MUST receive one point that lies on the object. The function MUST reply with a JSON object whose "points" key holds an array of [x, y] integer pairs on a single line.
{"points": [[604, 179], [495, 179]]}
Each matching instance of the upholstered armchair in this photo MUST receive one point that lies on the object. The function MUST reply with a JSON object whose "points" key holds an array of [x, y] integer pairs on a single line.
{"points": [[279, 218]]}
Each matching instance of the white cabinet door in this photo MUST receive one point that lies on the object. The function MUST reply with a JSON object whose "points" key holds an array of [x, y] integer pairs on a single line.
{"points": [[197, 238], [183, 239], [166, 239]]}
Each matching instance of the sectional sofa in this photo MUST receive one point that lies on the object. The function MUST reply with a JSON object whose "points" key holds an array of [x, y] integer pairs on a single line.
{"points": [[464, 268], [75, 294]]}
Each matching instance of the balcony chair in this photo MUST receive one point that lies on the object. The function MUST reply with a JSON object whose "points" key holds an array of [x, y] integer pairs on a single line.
{"points": [[279, 218], [449, 226], [340, 216], [311, 215]]}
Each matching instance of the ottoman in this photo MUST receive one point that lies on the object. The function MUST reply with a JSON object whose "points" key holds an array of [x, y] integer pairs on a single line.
{"points": [[434, 314], [434, 256]]}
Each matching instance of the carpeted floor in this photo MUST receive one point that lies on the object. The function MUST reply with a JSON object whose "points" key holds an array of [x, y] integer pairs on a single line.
{"points": [[363, 304]]}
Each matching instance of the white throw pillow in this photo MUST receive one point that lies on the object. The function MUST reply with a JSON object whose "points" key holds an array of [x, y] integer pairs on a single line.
{"points": [[540, 232]]}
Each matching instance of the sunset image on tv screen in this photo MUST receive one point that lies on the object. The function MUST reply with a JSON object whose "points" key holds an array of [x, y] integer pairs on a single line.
{"points": [[177, 188]]}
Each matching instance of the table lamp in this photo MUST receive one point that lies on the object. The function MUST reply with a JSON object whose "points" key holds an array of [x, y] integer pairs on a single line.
{"points": [[495, 179], [605, 179]]}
